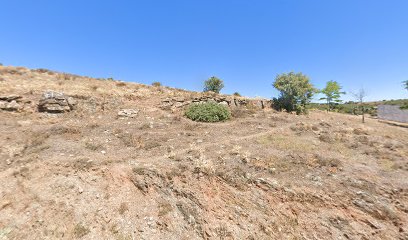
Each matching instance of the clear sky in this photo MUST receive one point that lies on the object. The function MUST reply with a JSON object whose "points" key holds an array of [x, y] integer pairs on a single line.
{"points": [[180, 43]]}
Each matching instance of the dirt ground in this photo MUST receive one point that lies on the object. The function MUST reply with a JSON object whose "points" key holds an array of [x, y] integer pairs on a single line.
{"points": [[89, 174]]}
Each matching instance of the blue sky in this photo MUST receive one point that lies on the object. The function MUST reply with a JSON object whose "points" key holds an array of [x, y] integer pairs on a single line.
{"points": [[359, 43]]}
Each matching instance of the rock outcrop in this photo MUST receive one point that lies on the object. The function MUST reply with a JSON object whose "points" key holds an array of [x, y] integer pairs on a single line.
{"points": [[55, 102], [11, 103], [230, 101]]}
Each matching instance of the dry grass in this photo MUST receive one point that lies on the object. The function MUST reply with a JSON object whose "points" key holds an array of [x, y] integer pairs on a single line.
{"points": [[164, 208], [287, 143], [94, 146], [37, 139], [260, 175], [123, 208], [80, 231], [242, 113], [120, 84], [82, 164], [130, 140]]}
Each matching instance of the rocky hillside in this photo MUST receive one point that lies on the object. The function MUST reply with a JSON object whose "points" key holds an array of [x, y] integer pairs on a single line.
{"points": [[84, 158]]}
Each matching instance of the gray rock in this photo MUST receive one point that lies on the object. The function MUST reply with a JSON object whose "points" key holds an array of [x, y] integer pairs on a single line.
{"points": [[128, 113], [10, 106], [55, 102], [10, 98]]}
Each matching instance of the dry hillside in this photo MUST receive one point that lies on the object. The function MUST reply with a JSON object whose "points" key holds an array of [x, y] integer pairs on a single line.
{"points": [[96, 172]]}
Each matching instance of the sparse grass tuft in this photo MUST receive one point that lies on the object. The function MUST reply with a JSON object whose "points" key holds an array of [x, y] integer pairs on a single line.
{"points": [[120, 84], [82, 164], [38, 139], [130, 140], [93, 146], [80, 231], [123, 208], [164, 208], [241, 112]]}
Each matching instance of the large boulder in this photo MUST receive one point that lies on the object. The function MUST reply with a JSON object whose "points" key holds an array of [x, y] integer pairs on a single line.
{"points": [[55, 102], [11, 103]]}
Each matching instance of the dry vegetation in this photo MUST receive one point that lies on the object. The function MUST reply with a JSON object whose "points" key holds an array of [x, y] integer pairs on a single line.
{"points": [[90, 174]]}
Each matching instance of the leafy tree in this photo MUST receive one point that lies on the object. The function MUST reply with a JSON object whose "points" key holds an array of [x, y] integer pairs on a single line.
{"points": [[237, 94], [213, 84], [295, 92], [332, 94], [405, 84], [359, 96]]}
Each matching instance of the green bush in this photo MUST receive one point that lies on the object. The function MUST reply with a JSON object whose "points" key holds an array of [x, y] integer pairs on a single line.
{"points": [[405, 106], [207, 112], [156, 84]]}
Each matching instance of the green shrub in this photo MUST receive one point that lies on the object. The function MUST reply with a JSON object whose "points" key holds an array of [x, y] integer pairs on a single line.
{"points": [[237, 94], [405, 106], [156, 84], [207, 112]]}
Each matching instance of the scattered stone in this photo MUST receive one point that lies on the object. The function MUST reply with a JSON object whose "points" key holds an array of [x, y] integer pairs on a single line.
{"points": [[10, 98], [269, 183], [10, 106], [54, 102], [128, 113], [11, 103]]}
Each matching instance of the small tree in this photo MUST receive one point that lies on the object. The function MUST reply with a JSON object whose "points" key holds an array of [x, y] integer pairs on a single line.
{"points": [[237, 94], [332, 93], [295, 92], [359, 96], [405, 83], [213, 84]]}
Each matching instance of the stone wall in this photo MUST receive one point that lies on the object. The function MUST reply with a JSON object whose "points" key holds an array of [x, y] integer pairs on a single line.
{"points": [[230, 101]]}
